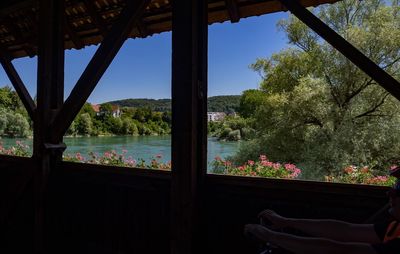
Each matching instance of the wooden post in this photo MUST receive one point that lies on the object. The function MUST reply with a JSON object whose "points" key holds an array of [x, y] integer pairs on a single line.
{"points": [[50, 96], [189, 122], [347, 49]]}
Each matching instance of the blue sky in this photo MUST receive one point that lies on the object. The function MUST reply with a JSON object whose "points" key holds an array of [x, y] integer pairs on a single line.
{"points": [[142, 67]]}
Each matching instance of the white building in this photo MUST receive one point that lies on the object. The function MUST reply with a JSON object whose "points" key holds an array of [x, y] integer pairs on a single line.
{"points": [[215, 116]]}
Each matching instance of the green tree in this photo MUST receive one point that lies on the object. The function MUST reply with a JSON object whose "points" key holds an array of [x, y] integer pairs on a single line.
{"points": [[17, 125], [106, 109], [129, 127], [250, 101], [72, 131], [3, 121], [84, 124], [87, 108], [319, 109]]}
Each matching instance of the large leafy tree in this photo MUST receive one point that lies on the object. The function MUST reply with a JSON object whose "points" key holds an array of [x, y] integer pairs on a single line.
{"points": [[319, 109]]}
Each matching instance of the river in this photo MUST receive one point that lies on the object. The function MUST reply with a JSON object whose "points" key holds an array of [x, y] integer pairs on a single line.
{"points": [[139, 147]]}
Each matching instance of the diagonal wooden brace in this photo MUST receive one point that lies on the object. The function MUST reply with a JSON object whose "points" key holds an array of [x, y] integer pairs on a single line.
{"points": [[97, 66], [347, 49], [18, 84]]}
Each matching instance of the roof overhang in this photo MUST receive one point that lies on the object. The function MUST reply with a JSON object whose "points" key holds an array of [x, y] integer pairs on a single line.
{"points": [[87, 21]]}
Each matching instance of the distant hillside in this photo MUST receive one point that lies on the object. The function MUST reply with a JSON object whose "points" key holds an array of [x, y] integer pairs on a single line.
{"points": [[160, 105], [223, 103]]}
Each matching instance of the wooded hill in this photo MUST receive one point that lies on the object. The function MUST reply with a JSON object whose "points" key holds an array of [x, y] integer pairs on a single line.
{"points": [[223, 103]]}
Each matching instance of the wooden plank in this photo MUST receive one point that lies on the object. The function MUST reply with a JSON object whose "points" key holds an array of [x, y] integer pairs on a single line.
{"points": [[78, 43], [348, 50], [97, 19], [233, 10], [97, 66], [18, 84], [189, 95]]}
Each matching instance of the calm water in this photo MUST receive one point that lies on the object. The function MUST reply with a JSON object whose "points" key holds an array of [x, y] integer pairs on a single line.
{"points": [[144, 147]]}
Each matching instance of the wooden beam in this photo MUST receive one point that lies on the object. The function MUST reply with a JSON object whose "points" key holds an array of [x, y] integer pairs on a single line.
{"points": [[18, 84], [142, 29], [344, 47], [233, 10], [50, 96], [97, 19], [189, 118], [10, 6], [19, 36], [97, 66], [72, 35]]}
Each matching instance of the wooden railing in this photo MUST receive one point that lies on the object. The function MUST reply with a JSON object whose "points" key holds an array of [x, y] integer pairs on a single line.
{"points": [[104, 209]]}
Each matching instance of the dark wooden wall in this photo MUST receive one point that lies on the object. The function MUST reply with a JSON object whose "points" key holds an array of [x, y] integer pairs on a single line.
{"points": [[16, 205], [99, 209], [108, 211]]}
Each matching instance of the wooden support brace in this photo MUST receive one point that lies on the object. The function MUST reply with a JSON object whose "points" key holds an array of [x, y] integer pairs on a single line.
{"points": [[344, 47], [97, 66], [233, 10], [189, 119], [18, 84], [142, 29]]}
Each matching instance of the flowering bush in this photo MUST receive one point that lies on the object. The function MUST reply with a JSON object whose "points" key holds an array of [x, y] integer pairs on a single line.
{"points": [[113, 158], [361, 175], [261, 168], [20, 149]]}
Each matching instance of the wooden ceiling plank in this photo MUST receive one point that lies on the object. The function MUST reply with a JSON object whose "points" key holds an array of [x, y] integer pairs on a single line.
{"points": [[347, 49], [233, 10], [15, 31], [97, 66], [73, 36], [96, 17]]}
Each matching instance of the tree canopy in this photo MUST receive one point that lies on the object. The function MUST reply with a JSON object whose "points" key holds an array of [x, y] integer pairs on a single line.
{"points": [[319, 110]]}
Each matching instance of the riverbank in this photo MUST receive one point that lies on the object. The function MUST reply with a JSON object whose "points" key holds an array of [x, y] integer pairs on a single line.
{"points": [[138, 147]]}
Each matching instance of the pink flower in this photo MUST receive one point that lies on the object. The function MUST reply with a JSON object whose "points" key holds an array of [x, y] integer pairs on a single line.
{"points": [[289, 166], [250, 162], [267, 163], [124, 151], [241, 168], [79, 157], [350, 169], [263, 158], [228, 163], [107, 155], [158, 156], [276, 165], [217, 158], [393, 167], [365, 170], [295, 173]]}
